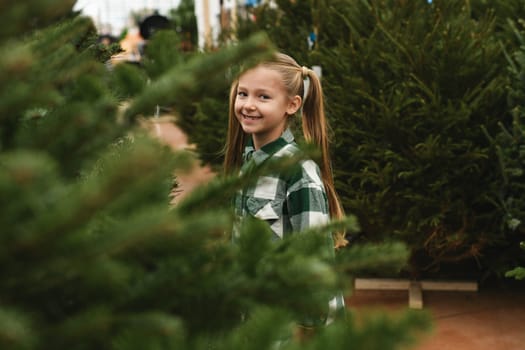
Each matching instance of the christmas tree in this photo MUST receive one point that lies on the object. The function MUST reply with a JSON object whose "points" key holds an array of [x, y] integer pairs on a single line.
{"points": [[509, 145], [414, 163], [94, 257]]}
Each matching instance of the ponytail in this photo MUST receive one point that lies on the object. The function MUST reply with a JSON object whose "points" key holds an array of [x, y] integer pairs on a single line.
{"points": [[315, 131]]}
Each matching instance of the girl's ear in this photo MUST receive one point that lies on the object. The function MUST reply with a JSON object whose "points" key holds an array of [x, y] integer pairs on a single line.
{"points": [[294, 104]]}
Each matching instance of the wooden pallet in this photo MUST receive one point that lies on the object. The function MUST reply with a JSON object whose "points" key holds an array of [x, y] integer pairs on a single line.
{"points": [[415, 288]]}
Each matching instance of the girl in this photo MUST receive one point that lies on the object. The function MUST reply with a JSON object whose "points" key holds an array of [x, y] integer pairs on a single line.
{"points": [[263, 101]]}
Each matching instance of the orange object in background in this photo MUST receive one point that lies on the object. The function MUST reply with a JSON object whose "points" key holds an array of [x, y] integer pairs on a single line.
{"points": [[132, 47]]}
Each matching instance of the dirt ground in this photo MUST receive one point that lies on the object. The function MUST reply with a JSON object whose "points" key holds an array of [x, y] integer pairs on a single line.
{"points": [[489, 319]]}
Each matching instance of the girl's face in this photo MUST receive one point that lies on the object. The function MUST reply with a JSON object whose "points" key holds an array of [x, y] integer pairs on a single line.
{"points": [[262, 105]]}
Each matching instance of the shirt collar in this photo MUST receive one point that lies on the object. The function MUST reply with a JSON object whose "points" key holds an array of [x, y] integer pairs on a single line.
{"points": [[267, 150]]}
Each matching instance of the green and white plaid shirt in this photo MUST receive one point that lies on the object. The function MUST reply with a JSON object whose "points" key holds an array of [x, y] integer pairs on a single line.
{"points": [[288, 203]]}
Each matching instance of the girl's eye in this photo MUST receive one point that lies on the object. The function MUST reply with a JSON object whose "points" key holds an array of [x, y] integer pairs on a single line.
{"points": [[241, 93], [265, 97]]}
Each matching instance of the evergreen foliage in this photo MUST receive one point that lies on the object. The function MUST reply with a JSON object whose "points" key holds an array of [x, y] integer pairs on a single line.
{"points": [[423, 79], [278, 22], [186, 23], [92, 255], [509, 143], [203, 116], [504, 12]]}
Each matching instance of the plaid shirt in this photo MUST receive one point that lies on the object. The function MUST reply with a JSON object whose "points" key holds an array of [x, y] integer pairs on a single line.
{"points": [[288, 203]]}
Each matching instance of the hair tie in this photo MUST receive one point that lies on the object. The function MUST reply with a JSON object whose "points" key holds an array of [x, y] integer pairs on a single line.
{"points": [[305, 71]]}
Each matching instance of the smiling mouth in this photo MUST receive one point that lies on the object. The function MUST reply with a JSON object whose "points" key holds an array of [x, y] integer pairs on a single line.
{"points": [[250, 117]]}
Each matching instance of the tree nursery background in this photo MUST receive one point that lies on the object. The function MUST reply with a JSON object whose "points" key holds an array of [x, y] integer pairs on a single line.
{"points": [[94, 256], [425, 105]]}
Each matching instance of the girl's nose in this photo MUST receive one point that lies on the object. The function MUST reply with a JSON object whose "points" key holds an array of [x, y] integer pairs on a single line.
{"points": [[250, 104]]}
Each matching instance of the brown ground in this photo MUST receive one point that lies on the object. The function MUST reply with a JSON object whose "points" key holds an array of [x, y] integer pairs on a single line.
{"points": [[490, 319]]}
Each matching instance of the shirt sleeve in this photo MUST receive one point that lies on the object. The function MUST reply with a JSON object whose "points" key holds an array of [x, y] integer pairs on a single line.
{"points": [[306, 199]]}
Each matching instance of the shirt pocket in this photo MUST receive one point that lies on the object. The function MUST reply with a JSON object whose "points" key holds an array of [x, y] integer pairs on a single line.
{"points": [[264, 208]]}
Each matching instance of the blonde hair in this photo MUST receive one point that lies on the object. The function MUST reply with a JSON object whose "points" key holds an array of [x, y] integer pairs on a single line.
{"points": [[314, 125]]}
